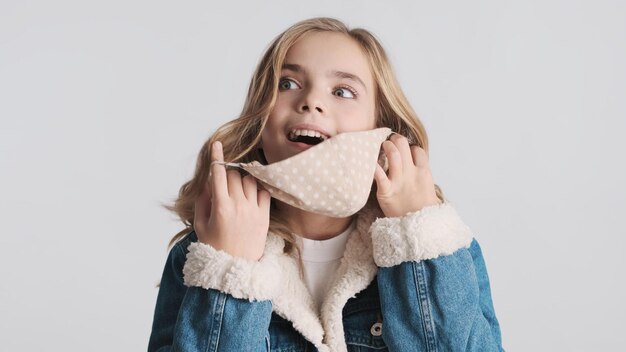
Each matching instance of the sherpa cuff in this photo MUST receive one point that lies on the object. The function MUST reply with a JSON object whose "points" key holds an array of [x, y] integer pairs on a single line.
{"points": [[242, 278], [430, 232]]}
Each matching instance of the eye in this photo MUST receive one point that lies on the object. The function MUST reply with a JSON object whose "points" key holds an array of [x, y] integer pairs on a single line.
{"points": [[285, 83], [341, 92]]}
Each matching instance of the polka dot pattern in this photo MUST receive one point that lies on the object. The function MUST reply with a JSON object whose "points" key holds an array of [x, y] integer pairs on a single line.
{"points": [[333, 178]]}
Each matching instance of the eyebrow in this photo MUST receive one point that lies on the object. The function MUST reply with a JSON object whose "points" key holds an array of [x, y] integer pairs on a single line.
{"points": [[332, 73]]}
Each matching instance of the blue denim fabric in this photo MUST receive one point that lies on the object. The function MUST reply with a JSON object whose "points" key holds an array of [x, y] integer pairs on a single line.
{"points": [[442, 304]]}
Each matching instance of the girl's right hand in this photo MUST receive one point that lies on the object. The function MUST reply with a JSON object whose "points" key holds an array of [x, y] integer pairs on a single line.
{"points": [[230, 214]]}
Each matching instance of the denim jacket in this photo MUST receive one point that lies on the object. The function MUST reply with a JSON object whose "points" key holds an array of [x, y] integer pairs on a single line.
{"points": [[411, 283]]}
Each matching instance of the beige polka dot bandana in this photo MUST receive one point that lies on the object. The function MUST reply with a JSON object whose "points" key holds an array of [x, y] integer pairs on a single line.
{"points": [[333, 177]]}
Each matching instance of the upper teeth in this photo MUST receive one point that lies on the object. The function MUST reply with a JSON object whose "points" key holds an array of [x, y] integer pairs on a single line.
{"points": [[309, 133]]}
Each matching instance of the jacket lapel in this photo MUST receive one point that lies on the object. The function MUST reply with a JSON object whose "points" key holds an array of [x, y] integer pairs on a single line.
{"points": [[356, 271]]}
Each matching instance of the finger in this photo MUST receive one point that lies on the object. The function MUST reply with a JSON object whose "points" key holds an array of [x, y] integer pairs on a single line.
{"points": [[420, 158], [206, 191], [218, 174], [394, 160], [234, 184], [264, 199], [250, 188], [200, 209], [402, 144], [382, 182]]}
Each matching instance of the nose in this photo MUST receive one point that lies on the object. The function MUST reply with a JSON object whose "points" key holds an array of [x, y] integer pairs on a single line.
{"points": [[311, 100]]}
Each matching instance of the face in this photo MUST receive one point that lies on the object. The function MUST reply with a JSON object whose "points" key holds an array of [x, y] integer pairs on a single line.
{"points": [[326, 85]]}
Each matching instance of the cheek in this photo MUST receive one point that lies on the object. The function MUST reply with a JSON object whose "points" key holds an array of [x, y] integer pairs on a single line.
{"points": [[279, 113], [283, 102], [271, 137], [355, 119]]}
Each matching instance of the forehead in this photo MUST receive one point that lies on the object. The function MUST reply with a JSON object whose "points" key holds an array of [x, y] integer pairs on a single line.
{"points": [[320, 52]]}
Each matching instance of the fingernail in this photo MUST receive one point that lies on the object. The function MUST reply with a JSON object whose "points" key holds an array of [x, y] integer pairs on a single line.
{"points": [[217, 144]]}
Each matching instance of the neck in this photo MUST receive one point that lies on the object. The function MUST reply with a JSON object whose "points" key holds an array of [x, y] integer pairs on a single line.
{"points": [[311, 225]]}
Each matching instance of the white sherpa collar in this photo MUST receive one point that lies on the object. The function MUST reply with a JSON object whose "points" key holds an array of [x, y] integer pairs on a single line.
{"points": [[355, 273], [375, 241]]}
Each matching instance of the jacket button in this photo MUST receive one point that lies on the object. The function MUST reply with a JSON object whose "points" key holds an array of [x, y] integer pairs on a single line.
{"points": [[377, 329]]}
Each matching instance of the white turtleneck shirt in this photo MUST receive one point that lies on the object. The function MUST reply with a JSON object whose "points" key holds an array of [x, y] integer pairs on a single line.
{"points": [[321, 260]]}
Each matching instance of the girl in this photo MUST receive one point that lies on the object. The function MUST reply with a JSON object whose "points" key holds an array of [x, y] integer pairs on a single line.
{"points": [[336, 250]]}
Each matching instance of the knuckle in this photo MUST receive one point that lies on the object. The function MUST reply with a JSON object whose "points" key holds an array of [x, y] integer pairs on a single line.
{"points": [[399, 138], [242, 208], [418, 149], [223, 211]]}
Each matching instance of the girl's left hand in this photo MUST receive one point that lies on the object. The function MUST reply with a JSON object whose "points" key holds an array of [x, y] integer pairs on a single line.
{"points": [[409, 187]]}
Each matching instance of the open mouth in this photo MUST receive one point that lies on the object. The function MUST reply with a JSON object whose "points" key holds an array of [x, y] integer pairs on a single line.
{"points": [[306, 139]]}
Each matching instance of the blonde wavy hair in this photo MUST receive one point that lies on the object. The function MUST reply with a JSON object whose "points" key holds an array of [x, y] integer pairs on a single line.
{"points": [[241, 137]]}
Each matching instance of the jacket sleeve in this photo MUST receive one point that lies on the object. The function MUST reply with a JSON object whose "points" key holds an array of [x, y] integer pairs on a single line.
{"points": [[210, 301], [433, 283]]}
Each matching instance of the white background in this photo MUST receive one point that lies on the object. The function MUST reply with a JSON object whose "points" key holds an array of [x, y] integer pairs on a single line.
{"points": [[104, 107]]}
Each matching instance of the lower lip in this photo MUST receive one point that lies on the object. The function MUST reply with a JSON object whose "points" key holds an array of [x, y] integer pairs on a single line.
{"points": [[300, 146]]}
